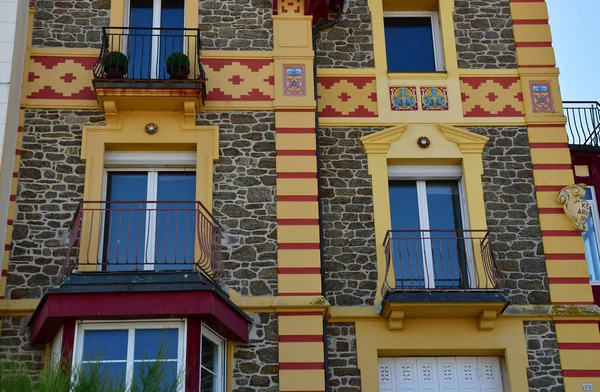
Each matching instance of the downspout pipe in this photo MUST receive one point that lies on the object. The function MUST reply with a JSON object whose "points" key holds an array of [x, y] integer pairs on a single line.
{"points": [[315, 31]]}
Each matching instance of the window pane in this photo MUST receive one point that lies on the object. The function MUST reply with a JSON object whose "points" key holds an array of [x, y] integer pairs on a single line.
{"points": [[448, 248], [112, 375], [160, 375], [104, 345], [140, 40], [156, 344], [172, 16], [210, 355], [592, 253], [407, 250], [409, 44], [125, 223], [208, 381], [175, 222]]}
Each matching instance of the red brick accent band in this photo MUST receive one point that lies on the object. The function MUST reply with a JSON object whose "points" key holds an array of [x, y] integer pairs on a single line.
{"points": [[581, 373], [579, 346], [534, 44], [299, 246], [300, 338], [530, 21], [295, 130], [301, 366], [585, 280], [297, 198], [551, 211], [297, 175], [296, 153], [549, 145], [300, 271], [549, 188], [565, 256], [298, 222], [552, 166], [561, 233]]}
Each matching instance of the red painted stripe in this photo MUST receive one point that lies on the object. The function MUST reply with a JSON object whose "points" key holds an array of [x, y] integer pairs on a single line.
{"points": [[561, 233], [299, 198], [549, 145], [10, 222], [7, 247], [546, 126], [4, 272], [572, 303], [296, 153], [551, 211], [569, 280], [300, 338], [552, 166], [295, 130], [534, 44], [299, 246], [296, 175], [565, 256], [300, 271], [298, 222], [575, 322], [300, 365], [300, 313], [19, 129], [530, 21], [579, 346], [296, 110], [549, 188], [581, 373], [15, 174], [17, 152], [13, 197], [299, 294]]}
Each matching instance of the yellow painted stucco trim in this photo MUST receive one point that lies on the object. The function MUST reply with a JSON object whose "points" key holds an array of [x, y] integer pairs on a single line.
{"points": [[118, 8], [447, 143]]}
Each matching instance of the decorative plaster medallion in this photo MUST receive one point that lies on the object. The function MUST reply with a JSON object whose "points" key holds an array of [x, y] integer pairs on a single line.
{"points": [[577, 209], [423, 142], [541, 97], [294, 80], [151, 128], [404, 98], [434, 98]]}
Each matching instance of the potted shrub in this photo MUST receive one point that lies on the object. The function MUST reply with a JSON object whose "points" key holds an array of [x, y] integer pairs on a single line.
{"points": [[178, 66], [115, 65]]}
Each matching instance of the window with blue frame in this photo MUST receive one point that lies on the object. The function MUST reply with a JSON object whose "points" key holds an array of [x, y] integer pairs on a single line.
{"points": [[413, 42], [591, 237]]}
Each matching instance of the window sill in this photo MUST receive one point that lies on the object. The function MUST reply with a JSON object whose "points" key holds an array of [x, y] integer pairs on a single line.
{"points": [[438, 75]]}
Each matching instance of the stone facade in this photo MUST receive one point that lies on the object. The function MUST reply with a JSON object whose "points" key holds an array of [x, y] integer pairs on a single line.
{"points": [[544, 371], [256, 363], [51, 177], [70, 23], [350, 43], [344, 375], [348, 226], [14, 345], [244, 198], [236, 24], [484, 34], [512, 214]]}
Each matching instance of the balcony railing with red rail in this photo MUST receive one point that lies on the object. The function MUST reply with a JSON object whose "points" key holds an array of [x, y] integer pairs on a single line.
{"points": [[145, 235], [440, 260]]}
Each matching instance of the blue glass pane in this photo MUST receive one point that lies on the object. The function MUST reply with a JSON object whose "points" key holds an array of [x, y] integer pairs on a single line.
{"points": [[448, 248], [156, 344], [592, 253], [111, 374], [171, 41], [409, 44], [407, 250], [140, 40], [175, 222], [125, 223], [165, 373], [104, 345]]}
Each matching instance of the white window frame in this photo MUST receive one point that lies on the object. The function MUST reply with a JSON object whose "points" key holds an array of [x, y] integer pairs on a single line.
{"points": [[438, 44], [422, 174], [181, 325], [595, 215], [151, 163], [221, 345]]}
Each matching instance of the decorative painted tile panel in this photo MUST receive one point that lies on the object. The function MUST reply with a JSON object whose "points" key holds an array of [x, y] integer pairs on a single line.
{"points": [[294, 80], [404, 98], [347, 96], [492, 97], [434, 98], [541, 97], [239, 79]]}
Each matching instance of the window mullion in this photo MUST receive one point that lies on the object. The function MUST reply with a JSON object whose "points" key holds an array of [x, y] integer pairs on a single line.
{"points": [[428, 263], [130, 354], [152, 195]]}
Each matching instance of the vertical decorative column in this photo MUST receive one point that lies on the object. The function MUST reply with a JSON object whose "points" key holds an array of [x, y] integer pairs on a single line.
{"points": [[301, 353], [568, 277]]}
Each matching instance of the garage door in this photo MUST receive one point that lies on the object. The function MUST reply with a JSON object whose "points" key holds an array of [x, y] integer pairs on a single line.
{"points": [[441, 374]]}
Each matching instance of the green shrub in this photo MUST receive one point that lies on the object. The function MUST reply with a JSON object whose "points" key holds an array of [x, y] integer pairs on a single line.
{"points": [[178, 60], [114, 59]]}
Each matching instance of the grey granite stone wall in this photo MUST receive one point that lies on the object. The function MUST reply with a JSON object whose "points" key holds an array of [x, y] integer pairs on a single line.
{"points": [[70, 23], [50, 186], [350, 43], [349, 233], [236, 24], [544, 372], [256, 363], [344, 375], [484, 34], [244, 198], [15, 347], [513, 216]]}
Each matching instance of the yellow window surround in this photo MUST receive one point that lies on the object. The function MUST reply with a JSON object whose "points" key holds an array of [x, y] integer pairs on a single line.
{"points": [[398, 146], [118, 11]]}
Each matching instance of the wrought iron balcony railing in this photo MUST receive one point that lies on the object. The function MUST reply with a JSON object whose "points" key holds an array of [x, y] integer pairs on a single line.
{"points": [[142, 54], [144, 235], [583, 122], [439, 260]]}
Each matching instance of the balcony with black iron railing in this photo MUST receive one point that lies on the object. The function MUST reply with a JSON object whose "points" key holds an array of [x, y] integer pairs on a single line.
{"points": [[583, 123], [146, 236], [454, 269]]}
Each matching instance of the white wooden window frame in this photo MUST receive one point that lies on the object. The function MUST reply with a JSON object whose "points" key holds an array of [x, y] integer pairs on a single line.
{"points": [[151, 163], [438, 45], [422, 174], [181, 326], [595, 215], [221, 344]]}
